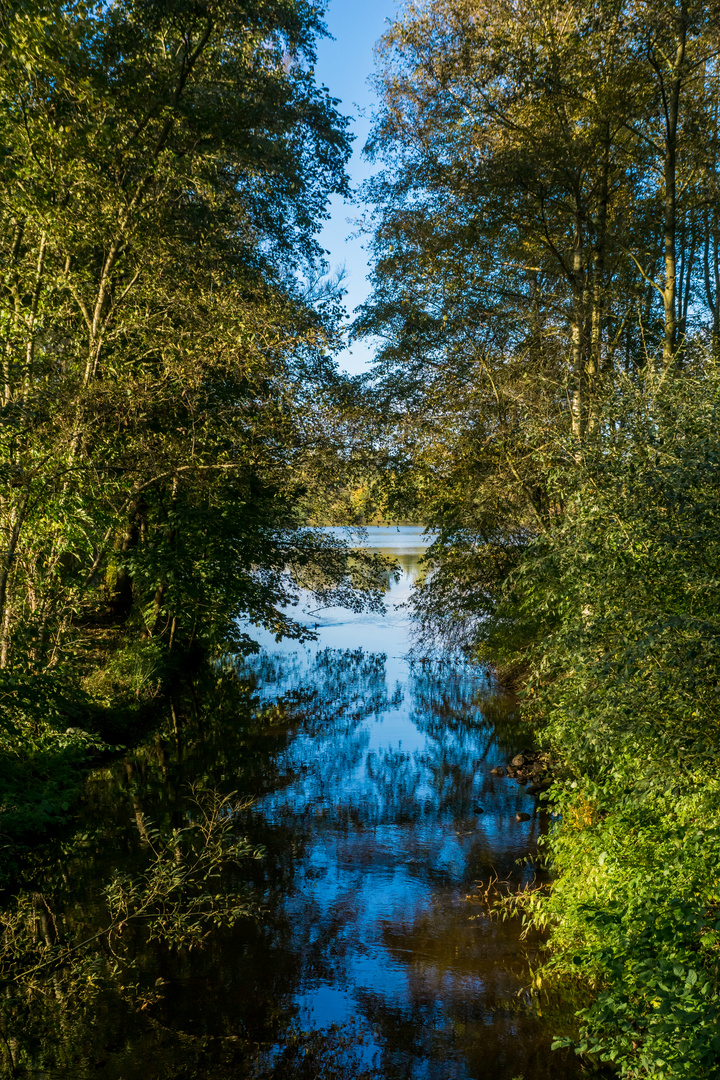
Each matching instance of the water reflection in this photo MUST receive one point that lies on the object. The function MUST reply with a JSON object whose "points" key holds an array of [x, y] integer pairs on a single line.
{"points": [[401, 817], [377, 813]]}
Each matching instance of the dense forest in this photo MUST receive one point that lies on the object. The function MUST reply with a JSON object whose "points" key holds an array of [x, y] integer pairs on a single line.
{"points": [[544, 223]]}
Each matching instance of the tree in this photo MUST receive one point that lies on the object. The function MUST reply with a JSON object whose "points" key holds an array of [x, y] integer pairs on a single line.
{"points": [[546, 282], [165, 169], [537, 229]]}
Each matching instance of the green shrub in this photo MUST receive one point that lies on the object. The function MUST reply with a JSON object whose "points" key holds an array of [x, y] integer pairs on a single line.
{"points": [[614, 615]]}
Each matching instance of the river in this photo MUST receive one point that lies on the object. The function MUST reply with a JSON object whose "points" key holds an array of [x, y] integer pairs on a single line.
{"points": [[377, 821]]}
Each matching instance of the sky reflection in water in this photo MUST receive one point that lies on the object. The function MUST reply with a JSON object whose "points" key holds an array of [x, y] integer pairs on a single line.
{"points": [[391, 783]]}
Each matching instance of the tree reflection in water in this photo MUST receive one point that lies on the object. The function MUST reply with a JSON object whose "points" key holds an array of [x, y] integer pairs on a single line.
{"points": [[356, 955]]}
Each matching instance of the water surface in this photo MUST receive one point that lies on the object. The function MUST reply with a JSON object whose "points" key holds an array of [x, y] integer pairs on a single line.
{"points": [[391, 784], [377, 816]]}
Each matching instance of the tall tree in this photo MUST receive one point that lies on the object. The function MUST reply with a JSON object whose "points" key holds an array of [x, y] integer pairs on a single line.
{"points": [[165, 168], [537, 229]]}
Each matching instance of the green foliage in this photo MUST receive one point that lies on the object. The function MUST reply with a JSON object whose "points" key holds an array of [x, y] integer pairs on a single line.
{"points": [[135, 671], [48, 734], [614, 617], [57, 964], [164, 321], [178, 897]]}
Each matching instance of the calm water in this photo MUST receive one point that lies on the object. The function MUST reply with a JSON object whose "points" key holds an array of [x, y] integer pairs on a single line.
{"points": [[402, 820], [373, 800]]}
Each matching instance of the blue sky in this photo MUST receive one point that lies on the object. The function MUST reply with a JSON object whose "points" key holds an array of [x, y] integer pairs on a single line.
{"points": [[344, 66]]}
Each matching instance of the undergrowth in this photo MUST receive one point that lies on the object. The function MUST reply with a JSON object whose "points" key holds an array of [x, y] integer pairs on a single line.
{"points": [[613, 615]]}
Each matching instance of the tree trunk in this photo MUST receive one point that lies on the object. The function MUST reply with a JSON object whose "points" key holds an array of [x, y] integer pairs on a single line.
{"points": [[711, 266], [671, 102], [122, 597], [7, 357], [595, 360], [17, 520], [577, 404]]}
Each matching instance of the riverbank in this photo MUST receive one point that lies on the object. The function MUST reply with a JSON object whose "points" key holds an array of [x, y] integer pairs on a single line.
{"points": [[612, 616], [59, 726]]}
